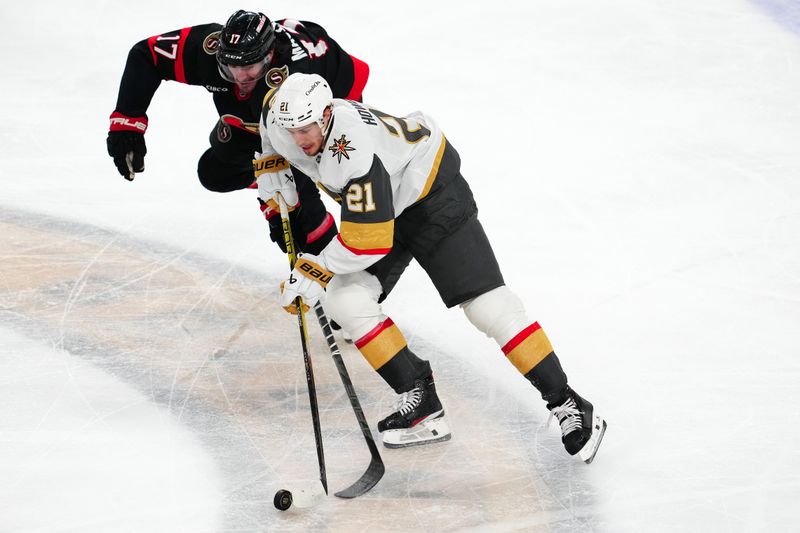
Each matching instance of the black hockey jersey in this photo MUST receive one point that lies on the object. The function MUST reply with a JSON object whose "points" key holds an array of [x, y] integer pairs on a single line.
{"points": [[188, 56]]}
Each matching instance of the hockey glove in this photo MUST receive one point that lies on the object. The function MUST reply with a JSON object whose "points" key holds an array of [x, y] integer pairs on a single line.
{"points": [[270, 211], [308, 280], [310, 234], [126, 145], [274, 176], [292, 308]]}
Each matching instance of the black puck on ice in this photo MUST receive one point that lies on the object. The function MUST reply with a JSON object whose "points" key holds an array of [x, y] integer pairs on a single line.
{"points": [[282, 500]]}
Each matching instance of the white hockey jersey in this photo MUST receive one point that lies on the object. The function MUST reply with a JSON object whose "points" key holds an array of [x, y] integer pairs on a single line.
{"points": [[375, 165]]}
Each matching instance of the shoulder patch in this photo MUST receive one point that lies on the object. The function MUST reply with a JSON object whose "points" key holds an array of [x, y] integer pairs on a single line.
{"points": [[224, 133], [211, 43], [276, 75], [340, 147]]}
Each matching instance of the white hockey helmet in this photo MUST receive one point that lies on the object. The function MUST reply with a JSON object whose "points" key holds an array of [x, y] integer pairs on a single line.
{"points": [[301, 99]]}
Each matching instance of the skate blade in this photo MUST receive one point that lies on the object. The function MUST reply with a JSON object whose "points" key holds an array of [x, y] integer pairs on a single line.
{"points": [[589, 450], [428, 432]]}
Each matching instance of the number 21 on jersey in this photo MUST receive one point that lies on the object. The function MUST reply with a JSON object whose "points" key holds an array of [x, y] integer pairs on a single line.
{"points": [[359, 198]]}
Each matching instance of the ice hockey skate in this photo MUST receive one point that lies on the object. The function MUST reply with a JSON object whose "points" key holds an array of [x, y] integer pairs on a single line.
{"points": [[419, 418], [581, 429]]}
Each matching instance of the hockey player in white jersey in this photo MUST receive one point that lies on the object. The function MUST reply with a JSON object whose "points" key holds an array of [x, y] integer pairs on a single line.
{"points": [[402, 196]]}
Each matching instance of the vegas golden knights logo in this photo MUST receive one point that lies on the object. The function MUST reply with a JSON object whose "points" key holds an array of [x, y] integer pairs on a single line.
{"points": [[340, 147]]}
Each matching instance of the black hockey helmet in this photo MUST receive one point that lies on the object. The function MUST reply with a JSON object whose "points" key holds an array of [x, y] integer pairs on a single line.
{"points": [[246, 38]]}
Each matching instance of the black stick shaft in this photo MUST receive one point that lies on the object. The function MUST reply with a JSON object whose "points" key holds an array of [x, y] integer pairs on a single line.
{"points": [[345, 376], [312, 395], [376, 468]]}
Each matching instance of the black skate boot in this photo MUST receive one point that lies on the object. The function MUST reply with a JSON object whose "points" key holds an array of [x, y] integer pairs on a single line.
{"points": [[581, 429], [419, 418]]}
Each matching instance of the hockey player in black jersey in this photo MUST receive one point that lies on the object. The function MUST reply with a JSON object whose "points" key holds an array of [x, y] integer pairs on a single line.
{"points": [[238, 63]]}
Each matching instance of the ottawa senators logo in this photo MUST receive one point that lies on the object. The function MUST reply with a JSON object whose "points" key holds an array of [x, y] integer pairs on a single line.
{"points": [[210, 43], [340, 148], [224, 133], [276, 75]]}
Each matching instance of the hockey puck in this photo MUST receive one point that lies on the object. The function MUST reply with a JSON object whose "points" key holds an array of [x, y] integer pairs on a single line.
{"points": [[282, 500]]}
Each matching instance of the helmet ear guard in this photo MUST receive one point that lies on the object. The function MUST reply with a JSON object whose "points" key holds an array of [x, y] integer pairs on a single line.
{"points": [[321, 121], [301, 100]]}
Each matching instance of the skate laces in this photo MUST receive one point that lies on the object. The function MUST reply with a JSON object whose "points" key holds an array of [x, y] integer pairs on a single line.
{"points": [[568, 415], [409, 401]]}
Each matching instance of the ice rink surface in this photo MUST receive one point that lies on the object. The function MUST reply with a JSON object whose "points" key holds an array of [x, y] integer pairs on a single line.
{"points": [[636, 165]]}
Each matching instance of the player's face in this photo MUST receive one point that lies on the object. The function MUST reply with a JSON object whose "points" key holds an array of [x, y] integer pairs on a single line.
{"points": [[308, 138], [247, 76]]}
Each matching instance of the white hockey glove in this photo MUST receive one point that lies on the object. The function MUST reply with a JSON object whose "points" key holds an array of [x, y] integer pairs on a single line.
{"points": [[308, 280], [273, 175]]}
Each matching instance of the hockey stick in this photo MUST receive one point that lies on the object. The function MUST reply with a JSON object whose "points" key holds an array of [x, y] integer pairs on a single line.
{"points": [[301, 322], [129, 161], [376, 468]]}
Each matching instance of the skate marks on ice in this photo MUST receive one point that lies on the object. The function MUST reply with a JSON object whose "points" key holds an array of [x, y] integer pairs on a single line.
{"points": [[207, 341]]}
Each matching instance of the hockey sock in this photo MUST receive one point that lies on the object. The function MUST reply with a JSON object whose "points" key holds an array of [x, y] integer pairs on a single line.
{"points": [[532, 354], [386, 350]]}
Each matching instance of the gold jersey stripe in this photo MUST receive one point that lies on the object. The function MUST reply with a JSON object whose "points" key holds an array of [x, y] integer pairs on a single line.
{"points": [[367, 236], [335, 195], [434, 171], [266, 103], [530, 351], [385, 345]]}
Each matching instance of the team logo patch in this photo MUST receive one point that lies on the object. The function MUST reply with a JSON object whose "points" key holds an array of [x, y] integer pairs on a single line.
{"points": [[276, 75], [224, 133], [210, 43], [340, 148]]}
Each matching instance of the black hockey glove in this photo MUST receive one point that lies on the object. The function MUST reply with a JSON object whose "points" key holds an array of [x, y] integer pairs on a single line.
{"points": [[310, 234], [126, 145], [272, 214], [276, 232]]}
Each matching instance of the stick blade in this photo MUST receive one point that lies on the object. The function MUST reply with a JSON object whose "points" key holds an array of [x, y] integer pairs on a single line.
{"points": [[367, 480]]}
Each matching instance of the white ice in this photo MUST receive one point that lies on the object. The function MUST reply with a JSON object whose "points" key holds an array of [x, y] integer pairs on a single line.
{"points": [[636, 166], [84, 451]]}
